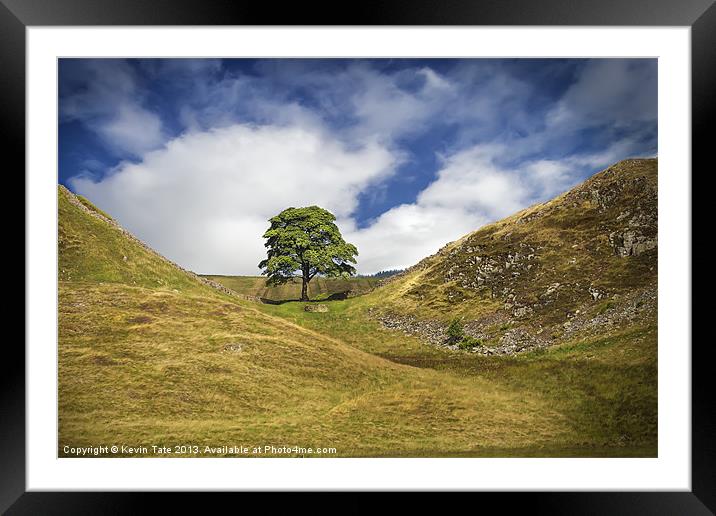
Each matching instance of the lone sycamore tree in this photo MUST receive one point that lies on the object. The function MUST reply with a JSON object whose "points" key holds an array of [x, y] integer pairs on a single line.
{"points": [[303, 242]]}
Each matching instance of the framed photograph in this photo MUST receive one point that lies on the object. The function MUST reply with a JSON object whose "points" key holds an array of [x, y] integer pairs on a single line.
{"points": [[435, 249]]}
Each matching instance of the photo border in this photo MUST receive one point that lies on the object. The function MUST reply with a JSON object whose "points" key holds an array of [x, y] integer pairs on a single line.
{"points": [[700, 15]]}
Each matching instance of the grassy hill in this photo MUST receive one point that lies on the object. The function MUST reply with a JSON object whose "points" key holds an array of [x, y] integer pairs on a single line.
{"points": [[93, 248], [586, 260], [152, 354], [318, 289], [598, 392], [147, 352]]}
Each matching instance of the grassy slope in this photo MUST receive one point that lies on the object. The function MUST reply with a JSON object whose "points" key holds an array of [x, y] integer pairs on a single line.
{"points": [[146, 356], [318, 288], [143, 350], [600, 392], [569, 240], [604, 381]]}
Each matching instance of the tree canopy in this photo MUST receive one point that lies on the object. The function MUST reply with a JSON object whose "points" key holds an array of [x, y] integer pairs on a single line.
{"points": [[306, 241]]}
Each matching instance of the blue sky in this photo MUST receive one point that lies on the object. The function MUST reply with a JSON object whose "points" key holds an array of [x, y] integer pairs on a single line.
{"points": [[194, 156]]}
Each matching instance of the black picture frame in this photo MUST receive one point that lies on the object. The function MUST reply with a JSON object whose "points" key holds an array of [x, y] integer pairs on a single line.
{"points": [[16, 15]]}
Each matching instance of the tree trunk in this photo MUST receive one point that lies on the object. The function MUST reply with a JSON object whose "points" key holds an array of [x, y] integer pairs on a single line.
{"points": [[304, 289]]}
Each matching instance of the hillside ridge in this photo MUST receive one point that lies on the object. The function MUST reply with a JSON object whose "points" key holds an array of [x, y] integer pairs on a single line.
{"points": [[530, 279]]}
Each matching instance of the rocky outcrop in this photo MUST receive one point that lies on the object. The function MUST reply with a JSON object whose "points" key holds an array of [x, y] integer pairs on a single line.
{"points": [[502, 338], [631, 243], [471, 270]]}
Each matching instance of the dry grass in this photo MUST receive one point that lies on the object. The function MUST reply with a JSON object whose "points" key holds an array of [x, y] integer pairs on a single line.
{"points": [[158, 367], [600, 393], [150, 356], [569, 236]]}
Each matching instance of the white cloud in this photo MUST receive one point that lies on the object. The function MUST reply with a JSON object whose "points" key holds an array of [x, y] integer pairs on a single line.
{"points": [[471, 180], [548, 177], [368, 103], [406, 234], [470, 190], [131, 130], [434, 81], [204, 200], [385, 109]]}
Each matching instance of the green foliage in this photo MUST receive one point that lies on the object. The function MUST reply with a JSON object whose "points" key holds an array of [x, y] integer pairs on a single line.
{"points": [[455, 331], [606, 306], [456, 335], [306, 240], [386, 274], [469, 342]]}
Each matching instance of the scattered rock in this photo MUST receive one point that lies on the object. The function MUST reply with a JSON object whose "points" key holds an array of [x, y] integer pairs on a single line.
{"points": [[432, 331], [636, 305], [316, 307], [595, 293], [552, 289], [515, 340], [521, 312]]}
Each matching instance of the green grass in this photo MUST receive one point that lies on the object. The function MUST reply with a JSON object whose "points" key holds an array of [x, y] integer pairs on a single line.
{"points": [[602, 390], [319, 289], [92, 207], [144, 365], [149, 355]]}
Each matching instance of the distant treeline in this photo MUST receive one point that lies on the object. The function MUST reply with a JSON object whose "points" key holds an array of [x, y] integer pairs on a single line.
{"points": [[382, 274]]}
